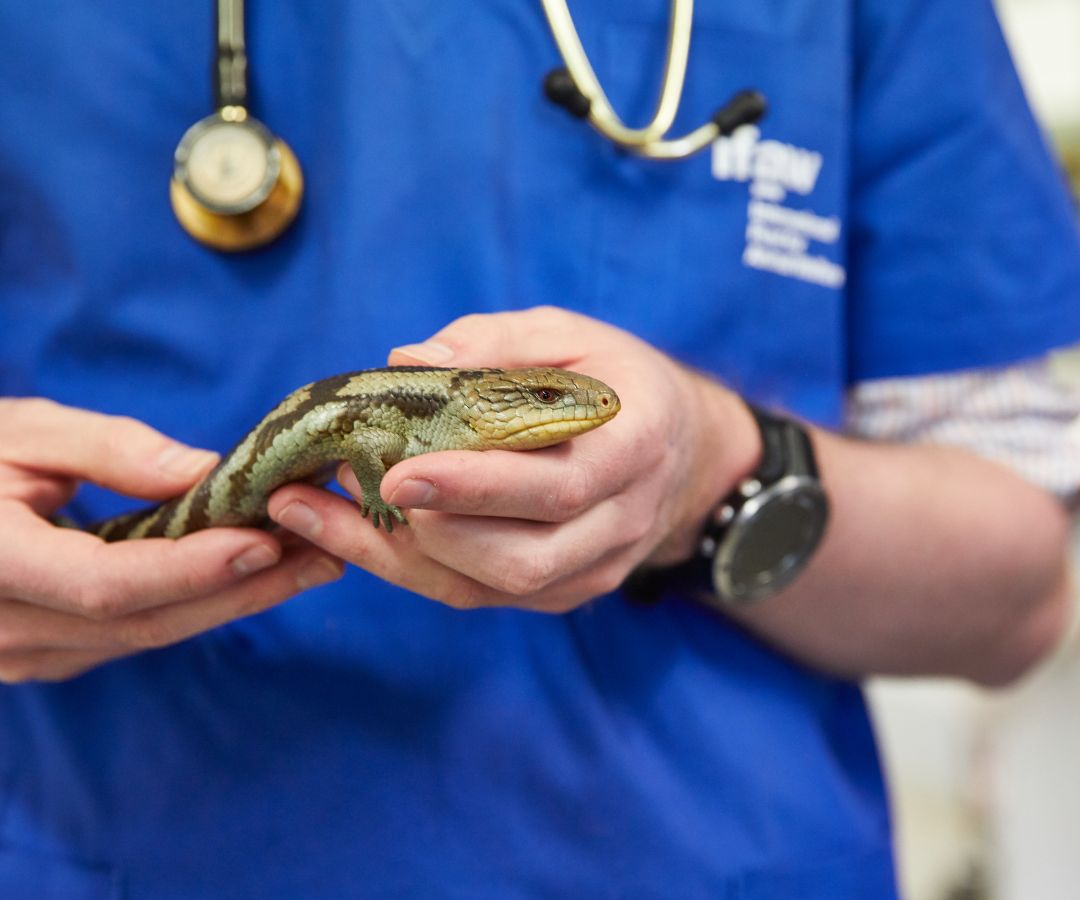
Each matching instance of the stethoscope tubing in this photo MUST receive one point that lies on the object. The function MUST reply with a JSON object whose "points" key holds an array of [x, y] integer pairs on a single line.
{"points": [[582, 94], [602, 115]]}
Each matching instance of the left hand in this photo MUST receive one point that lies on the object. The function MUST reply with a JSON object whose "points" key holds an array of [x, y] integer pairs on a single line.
{"points": [[547, 529]]}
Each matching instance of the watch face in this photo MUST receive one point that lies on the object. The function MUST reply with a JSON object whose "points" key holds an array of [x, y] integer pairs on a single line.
{"points": [[771, 540], [229, 166]]}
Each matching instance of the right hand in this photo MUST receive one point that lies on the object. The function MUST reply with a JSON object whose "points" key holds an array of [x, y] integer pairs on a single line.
{"points": [[68, 600]]}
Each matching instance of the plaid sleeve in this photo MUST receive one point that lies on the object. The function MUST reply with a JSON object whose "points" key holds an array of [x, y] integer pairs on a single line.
{"points": [[1026, 416]]}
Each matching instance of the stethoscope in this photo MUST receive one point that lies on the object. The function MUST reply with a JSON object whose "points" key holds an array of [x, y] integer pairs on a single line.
{"points": [[577, 89], [236, 186]]}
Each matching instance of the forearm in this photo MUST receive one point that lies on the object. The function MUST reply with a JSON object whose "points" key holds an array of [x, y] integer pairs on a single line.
{"points": [[935, 562]]}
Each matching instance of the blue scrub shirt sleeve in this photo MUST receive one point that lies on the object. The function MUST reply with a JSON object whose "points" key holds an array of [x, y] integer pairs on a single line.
{"points": [[964, 245]]}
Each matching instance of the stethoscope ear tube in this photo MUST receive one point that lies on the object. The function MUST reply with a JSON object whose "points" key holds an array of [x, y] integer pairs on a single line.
{"points": [[745, 108], [560, 89], [576, 88]]}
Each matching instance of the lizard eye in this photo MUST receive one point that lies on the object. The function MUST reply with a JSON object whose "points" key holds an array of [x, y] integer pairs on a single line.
{"points": [[547, 395]]}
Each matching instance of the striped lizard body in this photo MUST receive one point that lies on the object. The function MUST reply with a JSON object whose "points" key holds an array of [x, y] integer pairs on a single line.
{"points": [[373, 419]]}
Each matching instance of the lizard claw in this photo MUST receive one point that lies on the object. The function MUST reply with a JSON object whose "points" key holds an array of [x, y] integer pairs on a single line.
{"points": [[384, 511]]}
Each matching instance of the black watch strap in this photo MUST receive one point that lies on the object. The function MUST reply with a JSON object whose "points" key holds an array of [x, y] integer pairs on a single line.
{"points": [[785, 448]]}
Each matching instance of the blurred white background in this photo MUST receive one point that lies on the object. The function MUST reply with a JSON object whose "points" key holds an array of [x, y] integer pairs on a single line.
{"points": [[986, 786]]}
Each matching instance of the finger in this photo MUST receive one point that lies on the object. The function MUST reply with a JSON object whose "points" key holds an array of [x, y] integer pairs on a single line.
{"points": [[27, 626], [335, 524], [524, 559], [114, 451], [76, 572], [544, 335], [300, 570], [42, 493], [550, 485], [398, 558], [27, 629], [49, 665]]}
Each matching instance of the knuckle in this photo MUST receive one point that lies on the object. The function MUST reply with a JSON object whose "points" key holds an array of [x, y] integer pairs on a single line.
{"points": [[18, 670], [551, 314], [98, 602], [12, 676], [464, 598], [525, 575], [571, 498], [126, 440], [607, 580], [11, 642], [127, 424], [483, 495], [186, 583], [146, 633], [44, 667], [635, 527], [581, 591], [470, 320], [652, 449], [32, 406], [18, 412], [122, 434], [461, 327], [563, 605]]}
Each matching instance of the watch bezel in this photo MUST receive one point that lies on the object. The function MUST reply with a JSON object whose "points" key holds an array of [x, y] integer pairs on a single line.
{"points": [[740, 527]]}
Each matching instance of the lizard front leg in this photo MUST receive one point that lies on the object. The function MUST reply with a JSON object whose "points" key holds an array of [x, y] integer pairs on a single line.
{"points": [[370, 452]]}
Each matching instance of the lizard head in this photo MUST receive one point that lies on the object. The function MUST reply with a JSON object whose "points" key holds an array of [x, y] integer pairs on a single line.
{"points": [[525, 409]]}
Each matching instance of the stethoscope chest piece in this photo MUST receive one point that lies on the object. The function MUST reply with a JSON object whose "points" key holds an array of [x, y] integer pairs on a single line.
{"points": [[234, 186]]}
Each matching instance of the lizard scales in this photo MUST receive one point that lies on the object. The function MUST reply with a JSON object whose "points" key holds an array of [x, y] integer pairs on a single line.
{"points": [[373, 419]]}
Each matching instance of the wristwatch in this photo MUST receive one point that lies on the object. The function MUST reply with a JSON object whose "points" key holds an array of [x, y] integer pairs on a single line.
{"points": [[762, 535]]}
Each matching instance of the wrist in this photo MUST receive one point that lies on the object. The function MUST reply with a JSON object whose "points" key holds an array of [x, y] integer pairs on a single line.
{"points": [[726, 449]]}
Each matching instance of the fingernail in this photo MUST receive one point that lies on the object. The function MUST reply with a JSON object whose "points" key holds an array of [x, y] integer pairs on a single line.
{"points": [[254, 559], [413, 493], [431, 352], [179, 461], [322, 570], [302, 519]]}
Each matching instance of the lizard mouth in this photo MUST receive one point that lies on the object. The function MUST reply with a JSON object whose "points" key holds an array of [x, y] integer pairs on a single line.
{"points": [[535, 435]]}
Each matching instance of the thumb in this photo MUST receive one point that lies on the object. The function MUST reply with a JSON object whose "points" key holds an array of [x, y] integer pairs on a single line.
{"points": [[542, 336], [114, 451]]}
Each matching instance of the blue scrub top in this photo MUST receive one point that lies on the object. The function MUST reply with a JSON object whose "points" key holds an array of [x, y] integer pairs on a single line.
{"points": [[895, 214]]}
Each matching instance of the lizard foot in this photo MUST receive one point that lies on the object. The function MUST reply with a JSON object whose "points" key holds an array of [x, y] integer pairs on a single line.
{"points": [[386, 511]]}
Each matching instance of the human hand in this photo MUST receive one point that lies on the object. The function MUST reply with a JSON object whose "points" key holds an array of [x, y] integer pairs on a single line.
{"points": [[68, 600], [546, 529]]}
